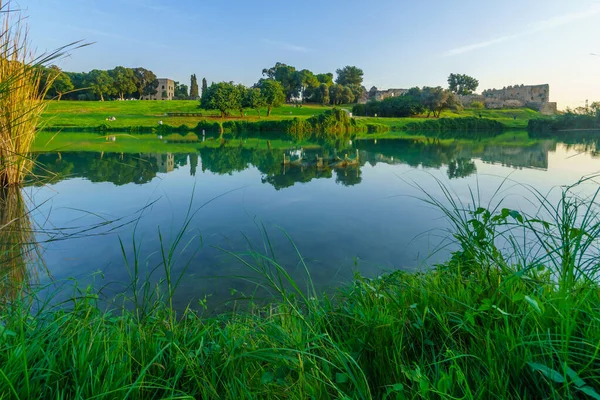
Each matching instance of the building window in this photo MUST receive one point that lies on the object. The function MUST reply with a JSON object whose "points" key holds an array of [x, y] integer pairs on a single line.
{"points": [[163, 87]]}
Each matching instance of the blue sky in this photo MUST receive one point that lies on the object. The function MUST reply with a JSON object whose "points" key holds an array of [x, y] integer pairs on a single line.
{"points": [[397, 43]]}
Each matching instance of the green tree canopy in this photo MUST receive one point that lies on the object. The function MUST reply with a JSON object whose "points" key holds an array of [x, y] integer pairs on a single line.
{"points": [[60, 82], [100, 83], [194, 94], [462, 84], [254, 99], [123, 81], [288, 78], [325, 78], [222, 96], [181, 91], [349, 75], [145, 82], [436, 99], [273, 93]]}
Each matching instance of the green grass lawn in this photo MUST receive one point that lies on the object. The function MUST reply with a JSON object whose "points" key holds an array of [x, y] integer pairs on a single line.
{"points": [[89, 114]]}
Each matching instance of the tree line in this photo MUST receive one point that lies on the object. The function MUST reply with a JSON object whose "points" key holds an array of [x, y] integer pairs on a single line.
{"points": [[118, 83], [432, 100], [283, 83]]}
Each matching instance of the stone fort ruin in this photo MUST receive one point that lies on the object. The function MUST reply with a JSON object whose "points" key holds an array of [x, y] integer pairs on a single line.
{"points": [[536, 97]]}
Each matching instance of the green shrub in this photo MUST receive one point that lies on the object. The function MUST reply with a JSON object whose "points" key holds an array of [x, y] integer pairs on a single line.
{"points": [[477, 105], [467, 127]]}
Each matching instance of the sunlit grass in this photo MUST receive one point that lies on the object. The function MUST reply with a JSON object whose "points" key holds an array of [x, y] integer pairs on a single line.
{"points": [[504, 318]]}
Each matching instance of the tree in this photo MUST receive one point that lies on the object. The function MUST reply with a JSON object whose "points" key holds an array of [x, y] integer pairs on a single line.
{"points": [[61, 82], [462, 84], [288, 78], [436, 99], [241, 104], [324, 91], [347, 96], [307, 82], [273, 93], [222, 96], [358, 92], [78, 79], [180, 92], [336, 93], [145, 82], [325, 78], [194, 87], [349, 75], [255, 99], [123, 81], [101, 83], [204, 85]]}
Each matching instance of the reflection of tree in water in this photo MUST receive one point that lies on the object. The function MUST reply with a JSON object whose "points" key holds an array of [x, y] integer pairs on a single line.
{"points": [[121, 169], [426, 153], [348, 176], [461, 168], [287, 177], [17, 244], [117, 168]]}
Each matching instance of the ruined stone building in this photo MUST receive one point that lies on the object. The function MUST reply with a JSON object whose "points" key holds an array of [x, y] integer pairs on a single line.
{"points": [[164, 91], [378, 95], [536, 97]]}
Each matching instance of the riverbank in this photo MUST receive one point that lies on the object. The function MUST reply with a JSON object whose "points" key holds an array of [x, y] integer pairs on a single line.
{"points": [[136, 116], [480, 323]]}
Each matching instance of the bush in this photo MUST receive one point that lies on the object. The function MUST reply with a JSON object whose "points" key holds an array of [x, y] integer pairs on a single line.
{"points": [[457, 127], [477, 105]]}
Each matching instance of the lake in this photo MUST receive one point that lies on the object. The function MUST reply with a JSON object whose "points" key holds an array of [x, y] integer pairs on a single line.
{"points": [[367, 218]]}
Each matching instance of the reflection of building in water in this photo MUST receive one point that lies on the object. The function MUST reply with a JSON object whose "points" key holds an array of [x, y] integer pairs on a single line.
{"points": [[164, 162], [535, 156]]}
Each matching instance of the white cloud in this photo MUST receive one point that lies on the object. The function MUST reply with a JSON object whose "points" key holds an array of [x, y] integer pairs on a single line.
{"points": [[535, 27]]}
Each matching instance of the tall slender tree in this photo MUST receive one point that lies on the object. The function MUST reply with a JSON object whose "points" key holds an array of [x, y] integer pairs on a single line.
{"points": [[194, 87], [204, 85]]}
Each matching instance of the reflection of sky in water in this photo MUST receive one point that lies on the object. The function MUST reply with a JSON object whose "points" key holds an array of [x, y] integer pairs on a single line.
{"points": [[379, 224]]}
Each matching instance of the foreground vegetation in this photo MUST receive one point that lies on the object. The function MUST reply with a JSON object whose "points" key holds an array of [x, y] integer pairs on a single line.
{"points": [[496, 321]]}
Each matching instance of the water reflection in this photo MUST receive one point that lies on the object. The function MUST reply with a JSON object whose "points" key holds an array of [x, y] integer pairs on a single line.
{"points": [[121, 169], [344, 206], [17, 244]]}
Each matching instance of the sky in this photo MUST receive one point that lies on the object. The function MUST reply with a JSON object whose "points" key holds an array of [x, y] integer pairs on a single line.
{"points": [[397, 43]]}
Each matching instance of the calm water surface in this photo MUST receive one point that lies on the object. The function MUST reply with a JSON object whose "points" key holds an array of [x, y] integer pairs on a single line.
{"points": [[366, 218]]}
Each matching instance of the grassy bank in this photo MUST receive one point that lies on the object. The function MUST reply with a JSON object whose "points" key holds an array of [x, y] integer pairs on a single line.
{"points": [[493, 322], [146, 114]]}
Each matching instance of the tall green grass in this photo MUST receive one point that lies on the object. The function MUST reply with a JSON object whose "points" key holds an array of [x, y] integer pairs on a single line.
{"points": [[21, 94], [515, 313]]}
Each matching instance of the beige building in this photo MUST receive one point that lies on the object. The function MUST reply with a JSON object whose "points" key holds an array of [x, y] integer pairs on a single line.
{"points": [[164, 91]]}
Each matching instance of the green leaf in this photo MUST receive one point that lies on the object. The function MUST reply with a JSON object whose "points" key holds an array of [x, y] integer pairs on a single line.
{"points": [[267, 378], [392, 389], [548, 372], [590, 392], [518, 297], [574, 377], [341, 378], [516, 215], [533, 304]]}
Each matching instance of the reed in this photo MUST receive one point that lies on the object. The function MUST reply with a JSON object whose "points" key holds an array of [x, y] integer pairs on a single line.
{"points": [[22, 93]]}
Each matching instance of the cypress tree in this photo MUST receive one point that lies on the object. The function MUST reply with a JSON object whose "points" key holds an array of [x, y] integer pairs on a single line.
{"points": [[194, 87], [204, 85]]}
